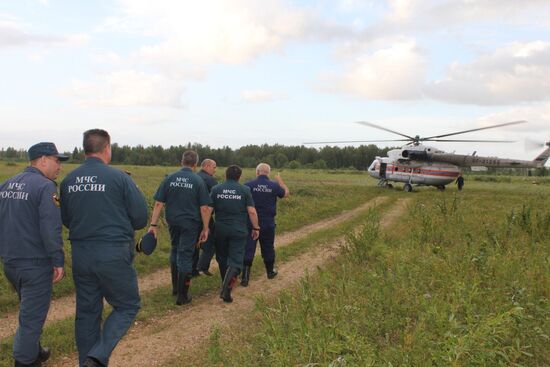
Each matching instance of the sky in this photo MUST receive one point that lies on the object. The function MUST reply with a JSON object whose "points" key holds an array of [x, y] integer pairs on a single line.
{"points": [[233, 73]]}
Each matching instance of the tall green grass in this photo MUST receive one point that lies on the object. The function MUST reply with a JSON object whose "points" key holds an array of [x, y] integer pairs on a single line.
{"points": [[464, 280]]}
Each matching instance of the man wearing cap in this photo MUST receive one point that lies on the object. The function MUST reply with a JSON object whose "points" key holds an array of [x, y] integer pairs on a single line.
{"points": [[207, 172], [101, 206], [265, 193], [233, 206], [187, 213], [31, 247]]}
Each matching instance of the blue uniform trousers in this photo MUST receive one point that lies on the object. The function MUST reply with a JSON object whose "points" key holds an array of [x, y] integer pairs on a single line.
{"points": [[103, 270], [32, 279], [230, 246], [267, 241], [183, 239]]}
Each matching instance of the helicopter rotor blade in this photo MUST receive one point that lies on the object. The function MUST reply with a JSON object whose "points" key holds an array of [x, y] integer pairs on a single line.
{"points": [[370, 124], [478, 129], [471, 141], [353, 141]]}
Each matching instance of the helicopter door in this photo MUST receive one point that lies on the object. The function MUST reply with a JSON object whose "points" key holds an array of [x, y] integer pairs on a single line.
{"points": [[382, 173]]}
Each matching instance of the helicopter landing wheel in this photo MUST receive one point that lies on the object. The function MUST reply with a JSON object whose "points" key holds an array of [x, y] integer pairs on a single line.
{"points": [[441, 187], [407, 187], [389, 186]]}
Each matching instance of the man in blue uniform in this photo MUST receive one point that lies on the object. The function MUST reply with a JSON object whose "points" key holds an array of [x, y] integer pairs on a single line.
{"points": [[31, 247], [187, 213], [101, 206], [233, 206], [460, 182], [265, 193], [207, 172]]}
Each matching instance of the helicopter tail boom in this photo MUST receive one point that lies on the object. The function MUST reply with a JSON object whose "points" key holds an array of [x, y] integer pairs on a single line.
{"points": [[542, 158], [474, 160]]}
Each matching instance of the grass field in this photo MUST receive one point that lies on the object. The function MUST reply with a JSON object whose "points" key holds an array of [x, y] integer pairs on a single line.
{"points": [[462, 279]]}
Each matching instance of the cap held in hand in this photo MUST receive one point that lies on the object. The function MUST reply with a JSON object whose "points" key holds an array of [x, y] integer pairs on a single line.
{"points": [[147, 244]]}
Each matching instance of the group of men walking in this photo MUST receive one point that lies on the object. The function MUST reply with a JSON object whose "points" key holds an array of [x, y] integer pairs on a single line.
{"points": [[243, 213], [102, 207]]}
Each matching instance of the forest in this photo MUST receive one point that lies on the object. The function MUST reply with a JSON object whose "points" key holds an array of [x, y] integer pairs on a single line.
{"points": [[278, 156]]}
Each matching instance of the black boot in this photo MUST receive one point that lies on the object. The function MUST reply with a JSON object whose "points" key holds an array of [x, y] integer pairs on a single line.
{"points": [[228, 283], [270, 271], [37, 363], [92, 362], [245, 276], [174, 272], [43, 353], [184, 280]]}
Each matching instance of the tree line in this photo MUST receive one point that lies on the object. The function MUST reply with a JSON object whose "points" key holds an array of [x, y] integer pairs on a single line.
{"points": [[278, 156]]}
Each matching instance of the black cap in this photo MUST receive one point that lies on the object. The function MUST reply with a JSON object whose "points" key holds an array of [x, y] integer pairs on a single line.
{"points": [[147, 244], [47, 149]]}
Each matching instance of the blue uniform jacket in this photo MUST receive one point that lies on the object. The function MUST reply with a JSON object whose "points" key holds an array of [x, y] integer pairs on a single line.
{"points": [[100, 203], [208, 180], [184, 192], [230, 201], [265, 193], [30, 221]]}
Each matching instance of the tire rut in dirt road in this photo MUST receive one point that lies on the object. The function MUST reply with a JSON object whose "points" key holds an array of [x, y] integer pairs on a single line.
{"points": [[64, 307], [163, 339]]}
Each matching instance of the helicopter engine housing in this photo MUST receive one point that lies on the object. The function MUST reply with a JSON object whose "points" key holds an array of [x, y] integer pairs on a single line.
{"points": [[414, 154]]}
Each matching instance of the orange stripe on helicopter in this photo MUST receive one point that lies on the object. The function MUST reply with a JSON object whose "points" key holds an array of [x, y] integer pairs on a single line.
{"points": [[426, 172]]}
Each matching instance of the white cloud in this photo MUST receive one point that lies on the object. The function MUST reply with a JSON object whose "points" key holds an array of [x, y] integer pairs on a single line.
{"points": [[14, 33], [181, 38], [515, 73], [402, 10], [538, 117], [255, 96], [448, 13], [129, 88], [396, 72], [213, 31]]}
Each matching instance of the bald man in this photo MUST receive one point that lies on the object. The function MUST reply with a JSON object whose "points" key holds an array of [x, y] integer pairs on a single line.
{"points": [[265, 194]]}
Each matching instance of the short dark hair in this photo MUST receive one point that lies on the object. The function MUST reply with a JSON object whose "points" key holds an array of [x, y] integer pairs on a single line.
{"points": [[233, 172], [95, 141], [190, 158]]}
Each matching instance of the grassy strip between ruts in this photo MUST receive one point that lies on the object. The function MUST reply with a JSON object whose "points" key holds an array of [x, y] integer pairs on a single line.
{"points": [[464, 281], [156, 303], [316, 197]]}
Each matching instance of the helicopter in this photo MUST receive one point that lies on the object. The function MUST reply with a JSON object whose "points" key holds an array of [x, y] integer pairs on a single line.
{"points": [[421, 165]]}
